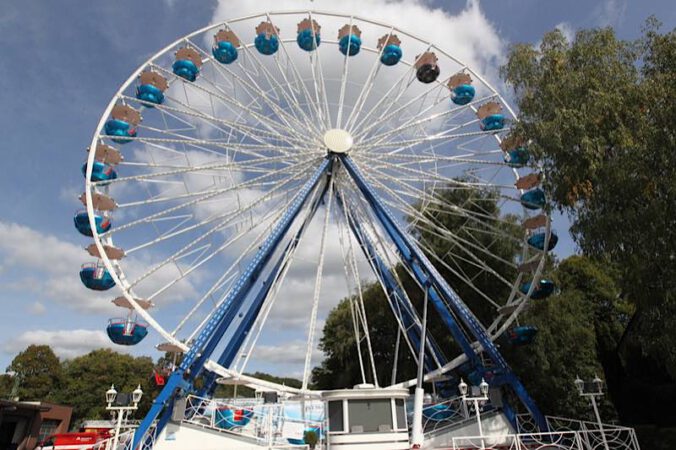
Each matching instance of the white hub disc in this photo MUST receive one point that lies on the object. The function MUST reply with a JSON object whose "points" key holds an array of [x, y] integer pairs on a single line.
{"points": [[338, 141]]}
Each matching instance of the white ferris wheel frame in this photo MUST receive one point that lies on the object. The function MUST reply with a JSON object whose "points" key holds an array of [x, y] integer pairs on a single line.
{"points": [[115, 269]]}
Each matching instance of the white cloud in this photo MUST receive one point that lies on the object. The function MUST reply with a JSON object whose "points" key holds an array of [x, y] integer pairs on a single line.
{"points": [[610, 12], [469, 35], [47, 266], [37, 309], [567, 30], [292, 352], [65, 343]]}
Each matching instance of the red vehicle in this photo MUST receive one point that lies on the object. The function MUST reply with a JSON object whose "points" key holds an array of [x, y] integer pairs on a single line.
{"points": [[72, 441]]}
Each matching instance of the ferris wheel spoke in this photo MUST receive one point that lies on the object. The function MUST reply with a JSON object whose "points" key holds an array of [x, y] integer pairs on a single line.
{"points": [[367, 86], [187, 248], [204, 196], [417, 121], [186, 169], [254, 133], [380, 121], [436, 228], [270, 218], [460, 275], [316, 54], [394, 259], [404, 82], [396, 307], [343, 82], [299, 79], [317, 287], [288, 258], [254, 90], [357, 311], [230, 272], [279, 191], [264, 121], [287, 89], [439, 139]]}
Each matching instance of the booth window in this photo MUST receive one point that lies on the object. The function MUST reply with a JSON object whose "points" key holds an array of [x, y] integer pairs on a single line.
{"points": [[370, 416], [401, 414], [336, 416]]}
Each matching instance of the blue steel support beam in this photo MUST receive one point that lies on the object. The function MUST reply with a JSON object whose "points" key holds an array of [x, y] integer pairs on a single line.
{"points": [[208, 338], [233, 346], [394, 292], [441, 294]]}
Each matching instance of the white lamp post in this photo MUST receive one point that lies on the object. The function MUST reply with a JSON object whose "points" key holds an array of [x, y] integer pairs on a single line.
{"points": [[483, 389], [111, 396], [596, 391]]}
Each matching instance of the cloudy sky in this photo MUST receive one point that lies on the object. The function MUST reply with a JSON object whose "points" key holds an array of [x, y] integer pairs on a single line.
{"points": [[62, 61]]}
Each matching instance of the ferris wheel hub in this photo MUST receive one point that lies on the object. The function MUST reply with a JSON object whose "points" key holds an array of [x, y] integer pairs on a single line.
{"points": [[338, 140]]}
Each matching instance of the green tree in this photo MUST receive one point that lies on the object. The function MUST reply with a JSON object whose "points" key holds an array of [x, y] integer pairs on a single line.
{"points": [[88, 377], [578, 329], [38, 372], [599, 115], [341, 366]]}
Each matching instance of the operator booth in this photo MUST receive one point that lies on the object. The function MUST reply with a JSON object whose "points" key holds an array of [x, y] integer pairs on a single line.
{"points": [[367, 418]]}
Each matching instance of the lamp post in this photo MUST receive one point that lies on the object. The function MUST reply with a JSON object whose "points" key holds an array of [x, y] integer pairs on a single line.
{"points": [[111, 396], [593, 389], [483, 390]]}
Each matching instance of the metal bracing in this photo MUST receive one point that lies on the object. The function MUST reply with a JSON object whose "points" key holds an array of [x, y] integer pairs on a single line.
{"points": [[441, 294], [399, 302], [205, 343]]}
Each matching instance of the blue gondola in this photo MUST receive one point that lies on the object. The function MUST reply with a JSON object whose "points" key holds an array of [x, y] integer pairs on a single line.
{"points": [[185, 69], [149, 93], [151, 88], [544, 289], [225, 46], [349, 45], [266, 42], [493, 122], [538, 241], [522, 335], [229, 418], [517, 157], [390, 47], [187, 64], [100, 172], [462, 91], [126, 331], [81, 221], [438, 412], [534, 199], [391, 55], [118, 130], [293, 441], [307, 40], [225, 52], [463, 94], [96, 277], [266, 45]]}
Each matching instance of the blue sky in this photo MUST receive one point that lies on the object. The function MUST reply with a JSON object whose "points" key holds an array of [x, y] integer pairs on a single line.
{"points": [[62, 62]]}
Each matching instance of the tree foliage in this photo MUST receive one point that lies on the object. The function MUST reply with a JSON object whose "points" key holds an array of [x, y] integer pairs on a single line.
{"points": [[341, 367], [38, 372], [599, 114], [88, 377], [578, 329]]}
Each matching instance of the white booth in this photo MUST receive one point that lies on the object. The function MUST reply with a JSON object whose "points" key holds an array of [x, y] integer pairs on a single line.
{"points": [[366, 418]]}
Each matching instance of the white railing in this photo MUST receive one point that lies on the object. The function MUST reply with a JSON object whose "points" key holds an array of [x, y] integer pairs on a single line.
{"points": [[124, 441], [564, 434], [440, 416], [265, 424]]}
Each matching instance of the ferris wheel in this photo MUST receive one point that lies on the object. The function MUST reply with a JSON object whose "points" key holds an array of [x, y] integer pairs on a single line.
{"points": [[281, 142]]}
